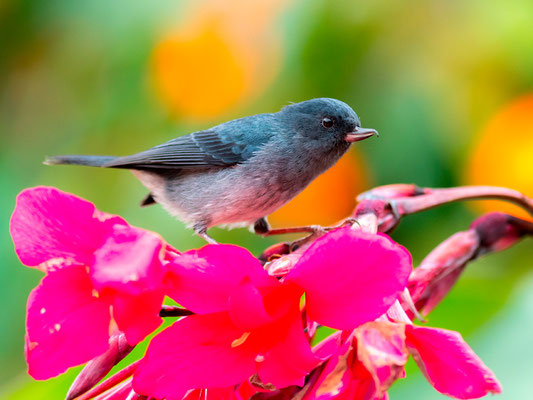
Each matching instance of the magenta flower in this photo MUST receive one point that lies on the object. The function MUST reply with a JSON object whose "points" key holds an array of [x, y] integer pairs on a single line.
{"points": [[244, 391], [102, 276], [248, 322], [368, 362], [360, 366], [246, 328]]}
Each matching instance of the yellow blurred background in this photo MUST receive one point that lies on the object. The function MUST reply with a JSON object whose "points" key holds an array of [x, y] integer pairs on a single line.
{"points": [[448, 84]]}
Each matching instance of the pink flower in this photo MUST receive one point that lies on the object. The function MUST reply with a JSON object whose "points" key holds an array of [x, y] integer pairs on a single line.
{"points": [[102, 276], [364, 364], [360, 366], [351, 277], [372, 359], [240, 392], [248, 322]]}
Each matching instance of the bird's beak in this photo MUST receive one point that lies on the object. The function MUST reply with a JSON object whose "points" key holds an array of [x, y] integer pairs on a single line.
{"points": [[360, 134]]}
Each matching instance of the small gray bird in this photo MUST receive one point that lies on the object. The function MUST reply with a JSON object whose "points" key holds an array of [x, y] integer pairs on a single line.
{"points": [[238, 172]]}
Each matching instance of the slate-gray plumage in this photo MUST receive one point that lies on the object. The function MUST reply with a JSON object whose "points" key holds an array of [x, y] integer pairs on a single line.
{"points": [[240, 171]]}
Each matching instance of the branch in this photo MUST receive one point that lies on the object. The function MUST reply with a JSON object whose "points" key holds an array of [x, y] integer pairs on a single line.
{"points": [[391, 202]]}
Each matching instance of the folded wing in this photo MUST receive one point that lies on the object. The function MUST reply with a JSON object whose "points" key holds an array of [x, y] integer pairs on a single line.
{"points": [[197, 150]]}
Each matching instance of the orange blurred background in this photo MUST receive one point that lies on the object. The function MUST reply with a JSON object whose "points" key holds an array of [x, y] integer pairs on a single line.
{"points": [[502, 153]]}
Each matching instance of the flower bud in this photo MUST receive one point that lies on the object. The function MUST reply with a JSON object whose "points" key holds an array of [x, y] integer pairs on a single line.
{"points": [[98, 367]]}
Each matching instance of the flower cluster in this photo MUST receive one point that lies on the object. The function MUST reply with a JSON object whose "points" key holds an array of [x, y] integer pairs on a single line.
{"points": [[247, 327]]}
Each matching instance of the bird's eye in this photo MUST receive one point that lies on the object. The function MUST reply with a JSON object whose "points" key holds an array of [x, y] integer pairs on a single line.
{"points": [[328, 122]]}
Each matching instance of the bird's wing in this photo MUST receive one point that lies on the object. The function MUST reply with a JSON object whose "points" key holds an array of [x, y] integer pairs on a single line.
{"points": [[211, 148]]}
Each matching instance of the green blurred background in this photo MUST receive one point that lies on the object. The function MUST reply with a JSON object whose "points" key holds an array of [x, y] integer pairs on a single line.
{"points": [[448, 84]]}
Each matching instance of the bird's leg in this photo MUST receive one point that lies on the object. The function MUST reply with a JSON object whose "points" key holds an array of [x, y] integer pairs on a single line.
{"points": [[201, 230], [262, 227]]}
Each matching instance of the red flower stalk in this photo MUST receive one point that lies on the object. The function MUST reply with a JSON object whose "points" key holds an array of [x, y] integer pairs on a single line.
{"points": [[391, 202]]}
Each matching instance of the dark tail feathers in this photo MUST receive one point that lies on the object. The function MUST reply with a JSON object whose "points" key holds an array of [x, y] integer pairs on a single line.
{"points": [[91, 161]]}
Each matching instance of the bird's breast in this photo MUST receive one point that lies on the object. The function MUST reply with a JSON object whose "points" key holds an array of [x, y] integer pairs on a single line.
{"points": [[245, 192]]}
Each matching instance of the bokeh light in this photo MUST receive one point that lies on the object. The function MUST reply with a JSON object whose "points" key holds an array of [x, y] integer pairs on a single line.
{"points": [[502, 155], [329, 198], [226, 52]]}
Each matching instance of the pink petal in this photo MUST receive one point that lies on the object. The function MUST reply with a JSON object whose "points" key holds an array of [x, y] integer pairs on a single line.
{"points": [[49, 224], [433, 279], [246, 307], [362, 386], [275, 250], [282, 299], [332, 380], [381, 348], [282, 266], [246, 390], [212, 394], [286, 393], [343, 377], [66, 325], [351, 277], [206, 277], [329, 346], [290, 360], [449, 364], [137, 316], [437, 291], [195, 352], [129, 261]]}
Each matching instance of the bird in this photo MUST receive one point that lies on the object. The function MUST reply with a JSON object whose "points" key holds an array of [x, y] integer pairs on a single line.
{"points": [[239, 172]]}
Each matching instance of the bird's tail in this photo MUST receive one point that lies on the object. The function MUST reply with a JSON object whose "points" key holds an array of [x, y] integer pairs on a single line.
{"points": [[91, 161]]}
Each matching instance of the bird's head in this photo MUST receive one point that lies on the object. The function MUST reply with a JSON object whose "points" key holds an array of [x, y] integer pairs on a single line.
{"points": [[326, 120]]}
